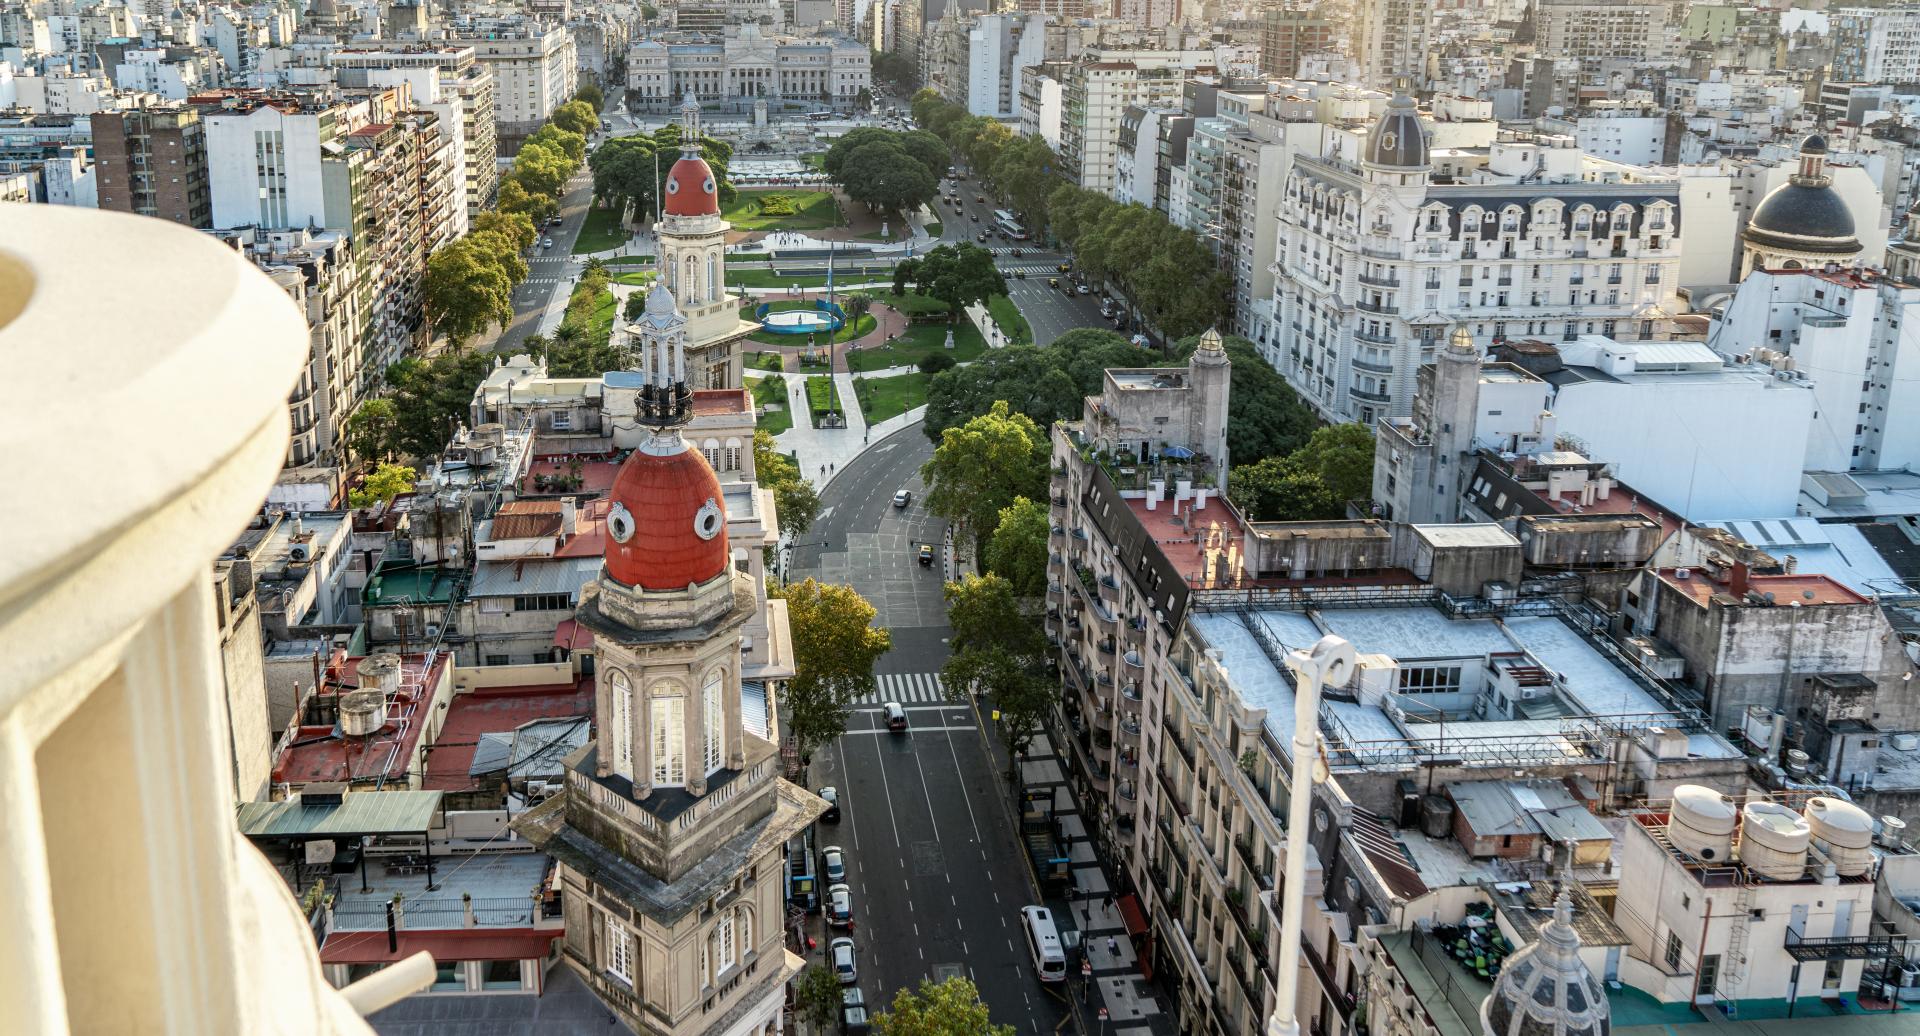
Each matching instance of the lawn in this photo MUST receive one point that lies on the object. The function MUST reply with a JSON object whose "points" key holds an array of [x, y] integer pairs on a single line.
{"points": [[822, 397], [627, 260], [634, 277], [600, 232], [934, 228], [782, 210], [817, 160], [914, 305], [882, 398], [1007, 315], [920, 341], [776, 279], [765, 361], [847, 333], [770, 395]]}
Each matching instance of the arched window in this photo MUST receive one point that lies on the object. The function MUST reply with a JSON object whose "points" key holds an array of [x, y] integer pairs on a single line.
{"points": [[713, 278], [733, 455], [620, 736], [669, 726], [713, 722], [744, 921], [690, 291], [725, 951]]}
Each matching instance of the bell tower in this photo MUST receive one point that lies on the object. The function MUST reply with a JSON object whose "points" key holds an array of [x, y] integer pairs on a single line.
{"points": [[691, 239]]}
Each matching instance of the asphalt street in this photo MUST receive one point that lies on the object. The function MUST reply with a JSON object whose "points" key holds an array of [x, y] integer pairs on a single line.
{"points": [[1049, 311], [937, 874]]}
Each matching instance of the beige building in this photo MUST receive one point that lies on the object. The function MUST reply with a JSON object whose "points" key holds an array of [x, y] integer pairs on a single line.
{"points": [[534, 73]]}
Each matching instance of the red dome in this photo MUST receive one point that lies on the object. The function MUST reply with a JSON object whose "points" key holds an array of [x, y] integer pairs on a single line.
{"points": [[667, 527], [691, 190]]}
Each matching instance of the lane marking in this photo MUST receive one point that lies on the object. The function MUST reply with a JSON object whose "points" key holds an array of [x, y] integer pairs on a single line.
{"points": [[887, 789]]}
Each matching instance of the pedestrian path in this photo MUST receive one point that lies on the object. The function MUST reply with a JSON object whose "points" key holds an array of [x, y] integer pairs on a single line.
{"points": [[907, 689]]}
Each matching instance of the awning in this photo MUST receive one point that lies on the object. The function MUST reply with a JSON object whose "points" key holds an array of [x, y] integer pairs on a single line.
{"points": [[1177, 453], [1130, 913], [358, 813], [572, 636], [370, 946]]}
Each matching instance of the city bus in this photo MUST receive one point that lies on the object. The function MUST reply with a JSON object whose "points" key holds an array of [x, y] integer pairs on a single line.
{"points": [[819, 116], [1009, 226]]}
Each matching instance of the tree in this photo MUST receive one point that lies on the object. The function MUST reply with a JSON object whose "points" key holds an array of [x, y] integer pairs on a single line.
{"points": [[635, 305], [834, 647], [881, 175], [817, 992], [571, 144], [1024, 377], [591, 94], [430, 397], [794, 498], [514, 197], [856, 304], [897, 69], [958, 275], [625, 174], [515, 229], [577, 116], [1266, 417], [1018, 550], [1279, 490], [386, 482], [1342, 456], [467, 290], [984, 614], [541, 169], [949, 1008], [928, 150], [934, 363], [372, 431], [979, 468], [836, 157]]}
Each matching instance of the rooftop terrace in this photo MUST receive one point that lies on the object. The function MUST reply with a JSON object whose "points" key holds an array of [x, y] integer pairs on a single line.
{"points": [[495, 710]]}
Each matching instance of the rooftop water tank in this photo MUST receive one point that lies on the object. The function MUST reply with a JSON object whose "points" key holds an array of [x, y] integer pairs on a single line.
{"points": [[1701, 824], [380, 672], [1893, 832], [362, 713], [1845, 833], [1436, 816], [1773, 841], [1906, 742]]}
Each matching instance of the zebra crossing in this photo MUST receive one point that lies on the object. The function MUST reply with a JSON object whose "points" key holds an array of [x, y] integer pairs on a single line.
{"points": [[907, 689], [1050, 268]]}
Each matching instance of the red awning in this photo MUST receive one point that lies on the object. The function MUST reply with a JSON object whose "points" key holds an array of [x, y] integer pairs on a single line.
{"points": [[370, 947], [1130, 913], [572, 636]]}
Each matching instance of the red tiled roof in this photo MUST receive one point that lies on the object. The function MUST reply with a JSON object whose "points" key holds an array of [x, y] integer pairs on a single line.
{"points": [[1181, 544], [1786, 590], [691, 190], [666, 495], [320, 754], [597, 472], [495, 710], [452, 944], [589, 539]]}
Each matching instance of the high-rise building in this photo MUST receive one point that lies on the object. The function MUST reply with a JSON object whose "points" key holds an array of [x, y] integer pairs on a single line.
{"points": [[534, 73], [1097, 90], [153, 162], [465, 87], [1392, 38], [1289, 33], [1875, 44], [1603, 30]]}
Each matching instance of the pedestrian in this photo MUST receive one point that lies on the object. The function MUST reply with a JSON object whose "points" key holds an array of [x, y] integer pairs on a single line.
{"points": [[1109, 902], [1113, 946]]}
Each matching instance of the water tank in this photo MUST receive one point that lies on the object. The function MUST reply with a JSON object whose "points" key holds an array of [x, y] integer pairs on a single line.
{"points": [[362, 713], [1906, 742], [380, 672], [1893, 832], [1436, 816], [1796, 764], [1845, 833], [1701, 824], [1773, 841]]}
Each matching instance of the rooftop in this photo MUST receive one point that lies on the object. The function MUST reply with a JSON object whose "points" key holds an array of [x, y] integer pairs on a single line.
{"points": [[1180, 533], [407, 583], [495, 710], [1787, 590], [325, 754], [502, 886], [597, 471]]}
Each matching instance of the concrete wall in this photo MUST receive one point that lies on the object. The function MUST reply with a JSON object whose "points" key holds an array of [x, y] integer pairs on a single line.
{"points": [[542, 674]]}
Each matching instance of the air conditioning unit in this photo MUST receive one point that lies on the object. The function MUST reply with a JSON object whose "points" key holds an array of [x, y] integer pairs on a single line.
{"points": [[299, 552], [433, 631], [1528, 693]]}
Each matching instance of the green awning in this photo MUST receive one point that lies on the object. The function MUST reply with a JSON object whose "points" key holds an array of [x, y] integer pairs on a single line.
{"points": [[358, 813]]}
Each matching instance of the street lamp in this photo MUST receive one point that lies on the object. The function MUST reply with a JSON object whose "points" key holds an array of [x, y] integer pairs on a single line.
{"points": [[1329, 660]]}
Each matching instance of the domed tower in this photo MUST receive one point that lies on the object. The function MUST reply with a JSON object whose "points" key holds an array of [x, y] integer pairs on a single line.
{"points": [[1397, 144], [671, 832], [1545, 989], [1211, 372], [1802, 223], [692, 243]]}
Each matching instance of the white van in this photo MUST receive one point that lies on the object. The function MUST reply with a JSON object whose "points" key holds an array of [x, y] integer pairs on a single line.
{"points": [[1043, 943]]}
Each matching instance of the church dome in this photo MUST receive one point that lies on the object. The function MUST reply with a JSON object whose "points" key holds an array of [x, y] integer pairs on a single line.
{"points": [[1545, 989], [1805, 214], [1398, 139], [667, 529], [691, 190]]}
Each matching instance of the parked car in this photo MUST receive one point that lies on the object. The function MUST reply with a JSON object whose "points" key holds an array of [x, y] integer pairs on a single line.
{"points": [[896, 716], [833, 861], [840, 906], [903, 498], [840, 951], [832, 795], [926, 555], [1083, 288]]}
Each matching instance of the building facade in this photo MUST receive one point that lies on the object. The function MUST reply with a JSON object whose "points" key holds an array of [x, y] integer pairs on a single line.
{"points": [[733, 72], [153, 162], [462, 79], [1876, 45], [534, 73]]}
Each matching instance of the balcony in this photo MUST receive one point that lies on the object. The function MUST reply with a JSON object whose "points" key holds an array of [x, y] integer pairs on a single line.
{"points": [[1377, 281], [1373, 361], [1185, 750], [1372, 337], [1056, 532], [113, 650], [1132, 660], [1614, 279], [1370, 306], [1370, 396]]}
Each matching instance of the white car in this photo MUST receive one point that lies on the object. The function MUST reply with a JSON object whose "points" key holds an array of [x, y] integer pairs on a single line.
{"points": [[546, 242], [833, 860], [840, 951], [903, 498], [840, 906]]}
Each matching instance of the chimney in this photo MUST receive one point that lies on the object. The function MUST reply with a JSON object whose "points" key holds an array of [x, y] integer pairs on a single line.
{"points": [[1737, 578]]}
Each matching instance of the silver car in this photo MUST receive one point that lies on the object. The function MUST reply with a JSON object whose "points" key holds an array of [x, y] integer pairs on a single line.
{"points": [[840, 951]]}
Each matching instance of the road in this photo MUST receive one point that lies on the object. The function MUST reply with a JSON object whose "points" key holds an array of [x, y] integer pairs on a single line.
{"points": [[937, 875], [1050, 312]]}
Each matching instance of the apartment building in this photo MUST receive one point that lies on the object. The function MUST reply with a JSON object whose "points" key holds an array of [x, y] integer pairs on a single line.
{"points": [[1097, 90], [1875, 44], [534, 73], [1000, 48], [1392, 38], [1289, 33], [1604, 30], [462, 81], [153, 162], [1387, 240]]}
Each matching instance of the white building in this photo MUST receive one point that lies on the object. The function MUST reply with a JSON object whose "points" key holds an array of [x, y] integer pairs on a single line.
{"points": [[1096, 92], [733, 71], [1875, 44], [460, 80], [1000, 47], [264, 164], [533, 74], [1386, 242]]}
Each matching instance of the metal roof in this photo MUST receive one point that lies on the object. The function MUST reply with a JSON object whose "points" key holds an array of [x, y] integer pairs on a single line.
{"points": [[1466, 534], [359, 813], [533, 576]]}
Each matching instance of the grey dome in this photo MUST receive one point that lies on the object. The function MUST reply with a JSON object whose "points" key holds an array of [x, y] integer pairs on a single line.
{"points": [[1398, 139], [1545, 989], [1804, 217], [1815, 144]]}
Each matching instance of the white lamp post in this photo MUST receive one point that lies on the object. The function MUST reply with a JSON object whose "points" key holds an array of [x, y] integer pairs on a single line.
{"points": [[1329, 660]]}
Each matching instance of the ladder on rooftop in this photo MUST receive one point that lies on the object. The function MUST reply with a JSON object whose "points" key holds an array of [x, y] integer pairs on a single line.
{"points": [[1733, 970]]}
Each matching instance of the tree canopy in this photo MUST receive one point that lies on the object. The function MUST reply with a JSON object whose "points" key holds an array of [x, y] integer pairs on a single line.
{"points": [[386, 482], [834, 647], [1167, 272], [591, 94], [949, 1008], [372, 431], [794, 498], [628, 171], [1018, 550], [898, 69], [982, 466], [882, 175], [1316, 481], [577, 116], [1265, 417], [958, 275], [1046, 385], [430, 396], [469, 286]]}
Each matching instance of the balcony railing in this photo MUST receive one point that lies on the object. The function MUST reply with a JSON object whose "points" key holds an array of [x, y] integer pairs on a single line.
{"points": [[1369, 306], [1377, 281], [1369, 395], [1373, 337]]}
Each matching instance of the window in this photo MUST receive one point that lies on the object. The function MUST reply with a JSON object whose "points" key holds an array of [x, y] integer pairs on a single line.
{"points": [[725, 951], [619, 952], [622, 723], [669, 741], [500, 974], [563, 421], [713, 722], [1431, 680], [542, 603], [450, 976], [1673, 951]]}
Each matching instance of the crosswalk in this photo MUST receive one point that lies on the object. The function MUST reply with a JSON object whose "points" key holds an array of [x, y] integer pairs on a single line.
{"points": [[907, 689], [1051, 268]]}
